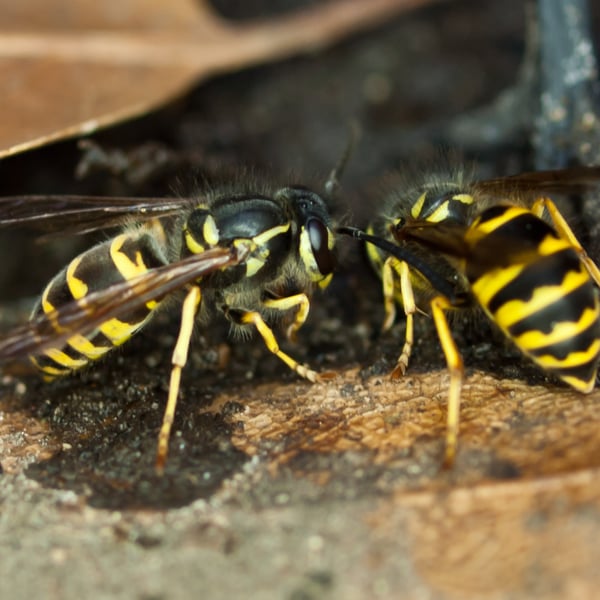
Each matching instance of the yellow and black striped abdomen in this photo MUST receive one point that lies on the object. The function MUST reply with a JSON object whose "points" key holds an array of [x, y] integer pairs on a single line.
{"points": [[533, 285], [114, 261]]}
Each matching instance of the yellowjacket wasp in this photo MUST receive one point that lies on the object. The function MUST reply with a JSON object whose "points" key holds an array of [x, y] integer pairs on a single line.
{"points": [[253, 255], [450, 243]]}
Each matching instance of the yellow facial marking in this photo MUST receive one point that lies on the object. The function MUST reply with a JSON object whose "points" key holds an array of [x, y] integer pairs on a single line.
{"points": [[308, 257], [417, 207]]}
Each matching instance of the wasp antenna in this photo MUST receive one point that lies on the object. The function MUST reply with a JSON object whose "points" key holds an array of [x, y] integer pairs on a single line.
{"points": [[401, 253], [333, 181]]}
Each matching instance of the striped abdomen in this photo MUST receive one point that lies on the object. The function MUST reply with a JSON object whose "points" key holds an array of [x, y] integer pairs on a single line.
{"points": [[533, 285], [114, 261]]}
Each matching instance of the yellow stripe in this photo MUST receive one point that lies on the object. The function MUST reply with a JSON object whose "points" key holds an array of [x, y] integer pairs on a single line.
{"points": [[49, 372], [126, 267], [585, 387], [487, 286], [64, 360], [478, 228], [552, 245], [560, 332], [47, 306], [118, 332], [52, 372], [574, 359], [81, 344], [515, 310], [76, 286]]}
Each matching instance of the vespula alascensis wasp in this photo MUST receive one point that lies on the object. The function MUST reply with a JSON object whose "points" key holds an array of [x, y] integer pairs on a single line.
{"points": [[451, 243], [253, 254]]}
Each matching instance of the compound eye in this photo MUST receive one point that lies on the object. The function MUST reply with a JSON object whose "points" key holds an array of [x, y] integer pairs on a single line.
{"points": [[318, 234]]}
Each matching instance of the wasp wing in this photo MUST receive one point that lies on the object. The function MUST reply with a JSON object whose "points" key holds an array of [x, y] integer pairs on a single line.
{"points": [[574, 180], [449, 238], [82, 214], [86, 314]]}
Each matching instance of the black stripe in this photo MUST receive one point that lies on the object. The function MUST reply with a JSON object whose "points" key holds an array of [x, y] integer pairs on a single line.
{"points": [[578, 343], [41, 361], [492, 213], [546, 271], [568, 308], [583, 372], [57, 292], [99, 272], [146, 247], [72, 353], [525, 227]]}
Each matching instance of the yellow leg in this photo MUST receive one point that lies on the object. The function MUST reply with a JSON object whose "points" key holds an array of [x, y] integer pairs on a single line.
{"points": [[389, 288], [299, 301], [254, 318], [564, 230], [408, 302], [180, 354], [455, 365]]}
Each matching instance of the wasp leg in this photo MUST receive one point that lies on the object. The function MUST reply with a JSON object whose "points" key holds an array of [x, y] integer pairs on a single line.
{"points": [[388, 279], [455, 365], [297, 300], [408, 303], [180, 354], [247, 317], [563, 229]]}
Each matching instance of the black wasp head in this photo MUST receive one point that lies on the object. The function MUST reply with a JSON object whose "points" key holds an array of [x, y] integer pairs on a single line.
{"points": [[316, 237]]}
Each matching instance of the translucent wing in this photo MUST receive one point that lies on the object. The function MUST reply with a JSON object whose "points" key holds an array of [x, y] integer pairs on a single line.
{"points": [[574, 180], [82, 214], [449, 239], [84, 315]]}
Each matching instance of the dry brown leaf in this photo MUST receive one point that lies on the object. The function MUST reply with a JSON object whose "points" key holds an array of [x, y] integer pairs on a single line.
{"points": [[73, 66]]}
